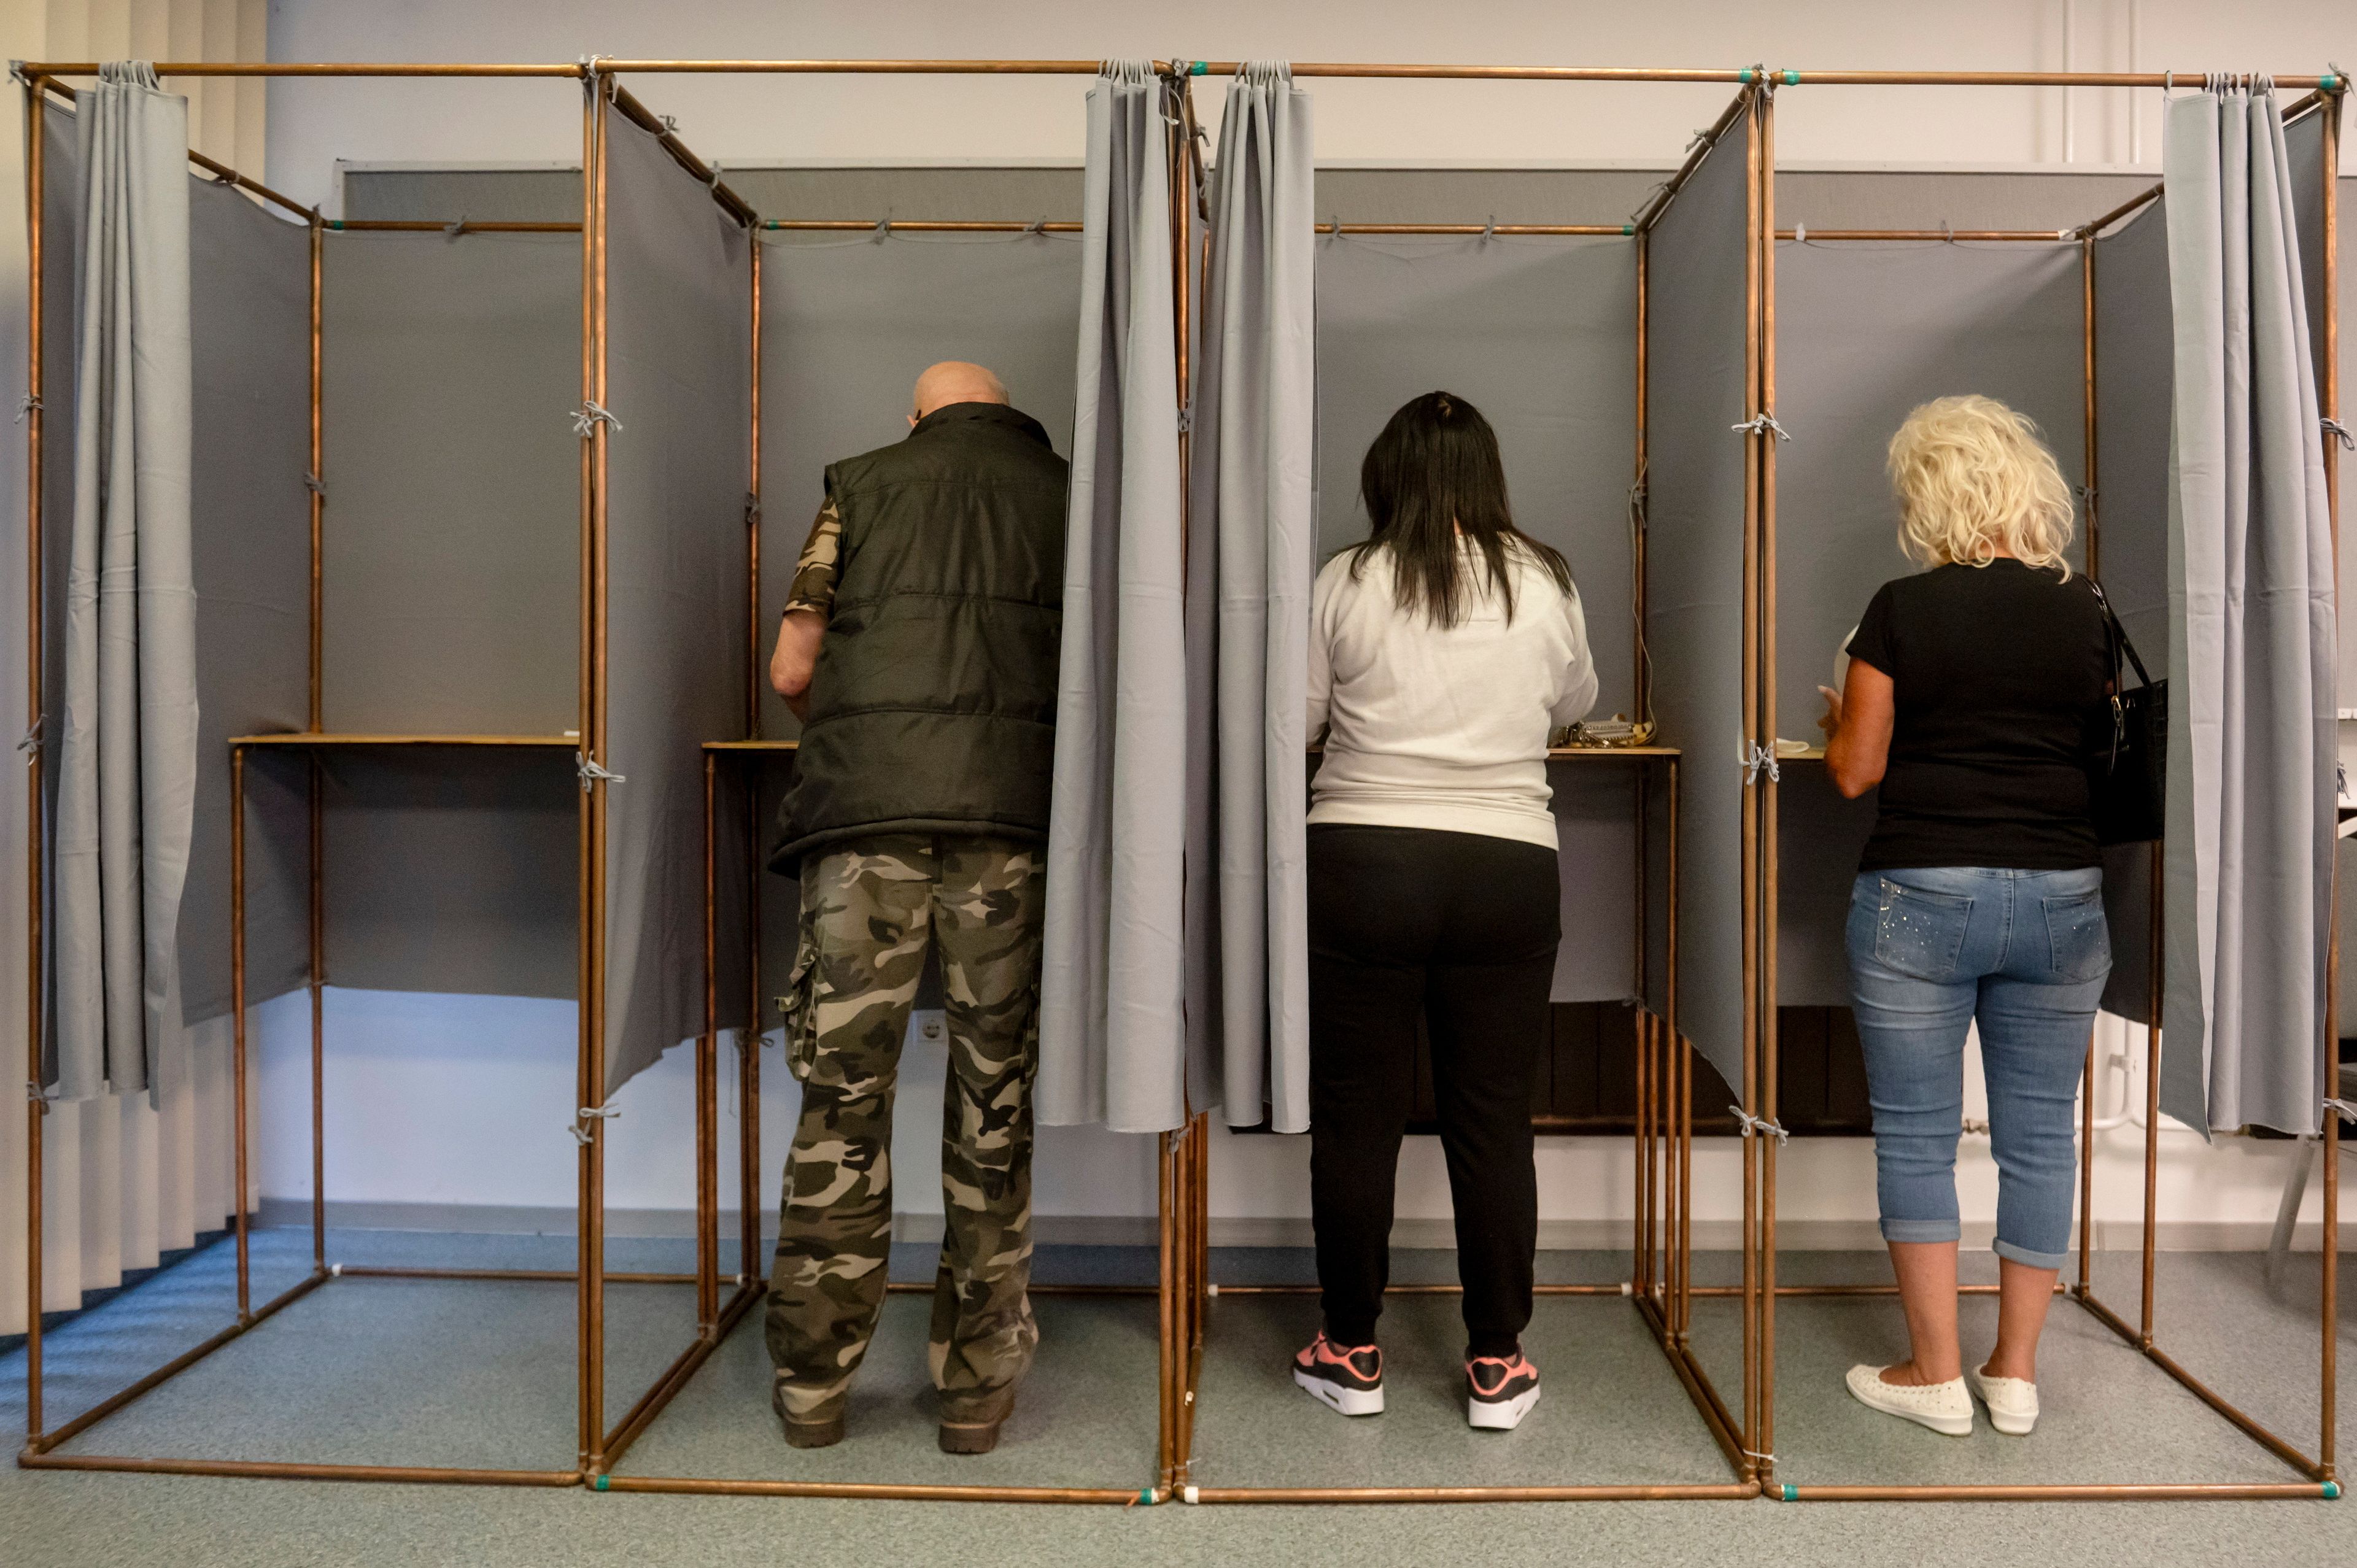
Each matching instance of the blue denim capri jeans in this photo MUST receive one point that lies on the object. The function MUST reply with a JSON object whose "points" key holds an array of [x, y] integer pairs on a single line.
{"points": [[2025, 954]]}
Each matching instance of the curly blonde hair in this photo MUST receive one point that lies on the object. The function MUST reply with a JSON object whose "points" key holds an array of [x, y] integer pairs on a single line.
{"points": [[1975, 477]]}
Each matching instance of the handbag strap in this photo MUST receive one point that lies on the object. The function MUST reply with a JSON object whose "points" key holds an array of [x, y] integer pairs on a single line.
{"points": [[2116, 636]]}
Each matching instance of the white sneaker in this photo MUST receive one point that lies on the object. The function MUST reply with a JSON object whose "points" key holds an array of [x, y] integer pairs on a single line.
{"points": [[2012, 1402], [1945, 1408]]}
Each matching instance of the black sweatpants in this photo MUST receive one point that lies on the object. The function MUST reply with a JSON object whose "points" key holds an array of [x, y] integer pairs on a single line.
{"points": [[1460, 929]]}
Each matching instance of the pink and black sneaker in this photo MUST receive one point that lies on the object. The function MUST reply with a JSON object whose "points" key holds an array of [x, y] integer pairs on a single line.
{"points": [[1346, 1379], [1500, 1392]]}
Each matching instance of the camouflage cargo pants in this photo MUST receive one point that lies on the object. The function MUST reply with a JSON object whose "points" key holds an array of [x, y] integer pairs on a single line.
{"points": [[869, 909]]}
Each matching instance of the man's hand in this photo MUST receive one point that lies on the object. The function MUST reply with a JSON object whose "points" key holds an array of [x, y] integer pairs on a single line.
{"points": [[796, 658]]}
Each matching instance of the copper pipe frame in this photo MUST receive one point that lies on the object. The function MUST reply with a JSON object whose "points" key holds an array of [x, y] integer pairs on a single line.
{"points": [[1303, 69], [1653, 1311], [1619, 231], [1937, 236], [2329, 401], [1764, 1432], [915, 226], [428, 226], [647, 119], [1753, 901], [2322, 1480], [37, 1105]]}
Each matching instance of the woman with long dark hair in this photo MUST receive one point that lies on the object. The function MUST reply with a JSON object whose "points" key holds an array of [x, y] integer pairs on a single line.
{"points": [[1442, 651]]}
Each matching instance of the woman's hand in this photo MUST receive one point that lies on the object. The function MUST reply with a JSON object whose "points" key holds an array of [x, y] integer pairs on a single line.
{"points": [[1830, 720], [1857, 726]]}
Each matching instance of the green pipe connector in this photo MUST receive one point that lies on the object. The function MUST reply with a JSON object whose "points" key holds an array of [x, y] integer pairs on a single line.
{"points": [[1198, 67], [1791, 1494], [601, 1483], [2332, 1490]]}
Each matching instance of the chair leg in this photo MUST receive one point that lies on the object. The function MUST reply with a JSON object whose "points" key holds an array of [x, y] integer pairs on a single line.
{"points": [[2302, 1161]]}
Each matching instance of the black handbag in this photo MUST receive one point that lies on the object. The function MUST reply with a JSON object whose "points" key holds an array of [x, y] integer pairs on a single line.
{"points": [[2127, 771]]}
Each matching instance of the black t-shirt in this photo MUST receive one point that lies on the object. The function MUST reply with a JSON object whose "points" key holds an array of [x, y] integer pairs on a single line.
{"points": [[1998, 671]]}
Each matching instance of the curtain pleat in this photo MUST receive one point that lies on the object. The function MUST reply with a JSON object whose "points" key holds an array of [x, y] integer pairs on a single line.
{"points": [[130, 1176], [1251, 541], [2252, 654], [1111, 1014]]}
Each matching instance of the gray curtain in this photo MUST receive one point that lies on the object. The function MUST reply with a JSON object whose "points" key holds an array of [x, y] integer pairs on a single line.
{"points": [[679, 311], [1695, 605], [2248, 856], [1251, 543], [1112, 1017], [127, 760]]}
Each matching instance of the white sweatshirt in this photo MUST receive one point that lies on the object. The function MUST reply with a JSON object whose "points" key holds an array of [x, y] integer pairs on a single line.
{"points": [[1443, 729]]}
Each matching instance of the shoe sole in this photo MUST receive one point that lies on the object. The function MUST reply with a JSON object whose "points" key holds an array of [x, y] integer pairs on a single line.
{"points": [[1335, 1397], [1500, 1415], [2012, 1425], [812, 1435], [969, 1437], [1945, 1425]]}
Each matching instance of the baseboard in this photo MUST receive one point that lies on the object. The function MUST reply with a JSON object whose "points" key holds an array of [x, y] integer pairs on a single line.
{"points": [[1142, 1231]]}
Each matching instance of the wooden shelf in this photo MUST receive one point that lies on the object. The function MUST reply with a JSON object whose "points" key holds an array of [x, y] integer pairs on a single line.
{"points": [[310, 739], [1574, 753], [1555, 753], [1566, 752]]}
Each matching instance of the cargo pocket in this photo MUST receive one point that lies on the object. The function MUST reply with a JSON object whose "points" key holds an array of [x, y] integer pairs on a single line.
{"points": [[2079, 939], [797, 1008], [1918, 933]]}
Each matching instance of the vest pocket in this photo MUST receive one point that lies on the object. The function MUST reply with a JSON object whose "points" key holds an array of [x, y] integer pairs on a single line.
{"points": [[1919, 932]]}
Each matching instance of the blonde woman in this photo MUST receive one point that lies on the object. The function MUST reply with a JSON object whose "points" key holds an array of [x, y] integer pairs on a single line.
{"points": [[1979, 897]]}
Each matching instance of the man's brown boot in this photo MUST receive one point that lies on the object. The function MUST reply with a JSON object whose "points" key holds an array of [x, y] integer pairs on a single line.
{"points": [[823, 1431], [975, 1428]]}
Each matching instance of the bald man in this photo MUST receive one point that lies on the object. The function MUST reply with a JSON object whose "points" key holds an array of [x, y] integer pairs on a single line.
{"points": [[919, 651]]}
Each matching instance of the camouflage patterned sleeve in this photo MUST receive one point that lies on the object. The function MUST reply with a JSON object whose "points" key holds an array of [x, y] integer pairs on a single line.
{"points": [[814, 572]]}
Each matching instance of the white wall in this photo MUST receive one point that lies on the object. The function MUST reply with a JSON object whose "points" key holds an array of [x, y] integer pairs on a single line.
{"points": [[746, 119], [465, 1100]]}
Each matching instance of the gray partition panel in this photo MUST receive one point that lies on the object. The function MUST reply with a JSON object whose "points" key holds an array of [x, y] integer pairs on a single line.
{"points": [[679, 344], [2346, 304], [2304, 168], [846, 326], [2135, 371], [453, 870], [1819, 838], [1865, 332], [2133, 376], [1696, 379], [1541, 335], [452, 551], [250, 318]]}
